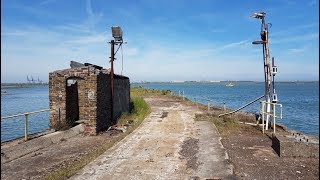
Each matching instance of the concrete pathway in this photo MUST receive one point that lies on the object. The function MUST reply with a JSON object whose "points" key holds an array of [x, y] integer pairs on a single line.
{"points": [[169, 144]]}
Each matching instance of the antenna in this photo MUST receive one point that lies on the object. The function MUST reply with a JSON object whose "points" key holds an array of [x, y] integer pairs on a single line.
{"points": [[274, 72], [267, 69], [258, 15], [266, 58]]}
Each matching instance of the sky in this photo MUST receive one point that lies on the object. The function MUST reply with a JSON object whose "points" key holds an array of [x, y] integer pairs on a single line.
{"points": [[167, 40]]}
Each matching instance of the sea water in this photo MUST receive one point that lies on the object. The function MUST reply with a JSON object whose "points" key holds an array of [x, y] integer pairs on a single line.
{"points": [[19, 101], [300, 103], [300, 100]]}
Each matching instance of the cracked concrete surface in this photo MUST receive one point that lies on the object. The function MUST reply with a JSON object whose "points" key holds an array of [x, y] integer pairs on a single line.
{"points": [[169, 144]]}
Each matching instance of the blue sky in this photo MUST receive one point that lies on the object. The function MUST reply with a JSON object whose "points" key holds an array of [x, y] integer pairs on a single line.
{"points": [[168, 40]]}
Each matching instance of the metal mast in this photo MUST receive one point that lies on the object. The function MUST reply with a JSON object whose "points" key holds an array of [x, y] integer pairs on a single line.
{"points": [[117, 35], [266, 59]]}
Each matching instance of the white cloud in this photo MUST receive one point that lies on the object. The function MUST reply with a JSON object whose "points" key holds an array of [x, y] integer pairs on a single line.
{"points": [[97, 38], [234, 45], [217, 30], [14, 33], [289, 31], [295, 38], [92, 18], [77, 28], [45, 2], [297, 69], [189, 63], [297, 50], [159, 47], [44, 50]]}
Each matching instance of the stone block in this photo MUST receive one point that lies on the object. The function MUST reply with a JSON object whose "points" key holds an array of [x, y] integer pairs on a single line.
{"points": [[295, 146]]}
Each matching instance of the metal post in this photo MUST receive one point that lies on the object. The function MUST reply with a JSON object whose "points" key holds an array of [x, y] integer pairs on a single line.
{"points": [[183, 95], [262, 114], [111, 77], [266, 61], [195, 100], [59, 115], [26, 127], [280, 111], [268, 74], [274, 118]]}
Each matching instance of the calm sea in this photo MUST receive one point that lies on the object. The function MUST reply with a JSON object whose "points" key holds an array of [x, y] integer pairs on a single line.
{"points": [[300, 101], [21, 100], [300, 104]]}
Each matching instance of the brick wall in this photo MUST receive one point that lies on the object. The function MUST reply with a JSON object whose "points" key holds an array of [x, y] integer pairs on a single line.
{"points": [[93, 91], [103, 102], [121, 95]]}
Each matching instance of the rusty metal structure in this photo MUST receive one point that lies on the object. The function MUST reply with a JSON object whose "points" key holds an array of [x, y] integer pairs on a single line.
{"points": [[117, 35], [268, 107], [264, 33]]}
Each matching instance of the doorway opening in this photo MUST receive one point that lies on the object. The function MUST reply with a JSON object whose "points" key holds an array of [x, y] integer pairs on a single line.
{"points": [[72, 101]]}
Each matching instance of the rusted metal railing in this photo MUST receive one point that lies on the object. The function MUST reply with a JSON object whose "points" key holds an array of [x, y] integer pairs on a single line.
{"points": [[209, 101], [242, 107], [26, 114]]}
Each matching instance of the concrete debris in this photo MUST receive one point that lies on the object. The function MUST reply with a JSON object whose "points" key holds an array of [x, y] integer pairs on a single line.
{"points": [[122, 128], [129, 122], [164, 114]]}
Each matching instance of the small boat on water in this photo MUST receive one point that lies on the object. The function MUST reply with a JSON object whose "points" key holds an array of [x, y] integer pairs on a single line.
{"points": [[230, 84]]}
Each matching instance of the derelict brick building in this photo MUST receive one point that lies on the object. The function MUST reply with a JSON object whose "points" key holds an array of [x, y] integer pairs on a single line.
{"points": [[83, 94]]}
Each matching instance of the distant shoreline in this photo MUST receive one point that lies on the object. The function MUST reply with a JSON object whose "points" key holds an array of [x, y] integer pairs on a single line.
{"points": [[20, 85], [223, 82], [26, 85]]}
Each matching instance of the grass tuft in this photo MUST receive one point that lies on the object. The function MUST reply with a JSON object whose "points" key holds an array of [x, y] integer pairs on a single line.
{"points": [[225, 124], [139, 110]]}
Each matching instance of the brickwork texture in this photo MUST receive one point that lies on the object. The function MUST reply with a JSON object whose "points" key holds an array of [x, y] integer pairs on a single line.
{"points": [[83, 94]]}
